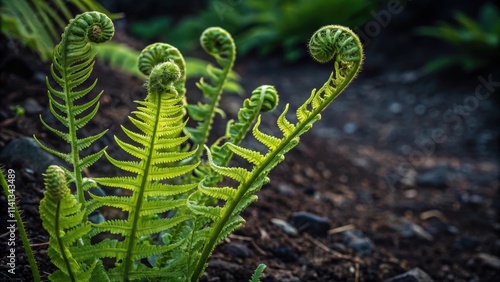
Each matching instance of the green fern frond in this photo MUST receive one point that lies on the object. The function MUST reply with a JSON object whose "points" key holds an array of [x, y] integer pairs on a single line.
{"points": [[258, 273], [263, 99], [175, 211], [72, 65], [157, 53], [218, 43], [160, 118], [330, 42], [63, 219]]}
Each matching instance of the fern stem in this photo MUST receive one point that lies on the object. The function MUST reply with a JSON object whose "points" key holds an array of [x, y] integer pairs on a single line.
{"points": [[265, 99], [160, 83], [207, 125], [75, 47], [140, 197], [60, 243]]}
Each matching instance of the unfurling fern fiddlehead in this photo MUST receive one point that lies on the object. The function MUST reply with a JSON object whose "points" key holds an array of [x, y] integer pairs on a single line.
{"points": [[263, 99], [330, 42], [218, 43], [63, 219], [72, 65], [157, 53]]}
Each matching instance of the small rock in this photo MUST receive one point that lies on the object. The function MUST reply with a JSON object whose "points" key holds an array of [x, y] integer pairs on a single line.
{"points": [[453, 230], [395, 108], [286, 190], [472, 199], [237, 250], [359, 242], [364, 196], [361, 162], [31, 106], [350, 128], [436, 177], [410, 229], [286, 254], [412, 275], [410, 194], [26, 153], [39, 76], [313, 224], [285, 226], [421, 233], [489, 260], [409, 179]]}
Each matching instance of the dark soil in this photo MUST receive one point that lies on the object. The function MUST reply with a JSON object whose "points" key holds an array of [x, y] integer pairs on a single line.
{"points": [[400, 156]]}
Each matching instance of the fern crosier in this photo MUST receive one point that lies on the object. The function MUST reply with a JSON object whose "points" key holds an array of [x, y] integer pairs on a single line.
{"points": [[263, 99], [218, 43], [158, 118], [63, 219], [72, 65], [157, 53], [330, 42]]}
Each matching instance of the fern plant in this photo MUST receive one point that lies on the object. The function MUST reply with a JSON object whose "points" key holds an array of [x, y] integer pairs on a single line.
{"points": [[476, 41], [176, 209]]}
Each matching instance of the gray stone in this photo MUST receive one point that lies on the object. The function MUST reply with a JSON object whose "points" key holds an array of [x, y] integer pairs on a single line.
{"points": [[286, 254], [472, 199], [350, 128], [413, 275], [489, 260], [313, 224], [31, 106], [395, 108], [410, 230], [358, 242], [237, 250], [27, 154], [285, 226], [436, 177]]}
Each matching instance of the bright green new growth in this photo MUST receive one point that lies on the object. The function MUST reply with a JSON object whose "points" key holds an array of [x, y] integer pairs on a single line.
{"points": [[72, 65], [62, 217], [175, 211]]}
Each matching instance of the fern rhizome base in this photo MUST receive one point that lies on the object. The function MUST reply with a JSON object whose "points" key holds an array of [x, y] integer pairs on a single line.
{"points": [[177, 208]]}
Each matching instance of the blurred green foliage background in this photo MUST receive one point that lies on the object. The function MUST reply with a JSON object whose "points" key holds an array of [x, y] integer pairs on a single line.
{"points": [[476, 41], [278, 28], [260, 26]]}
